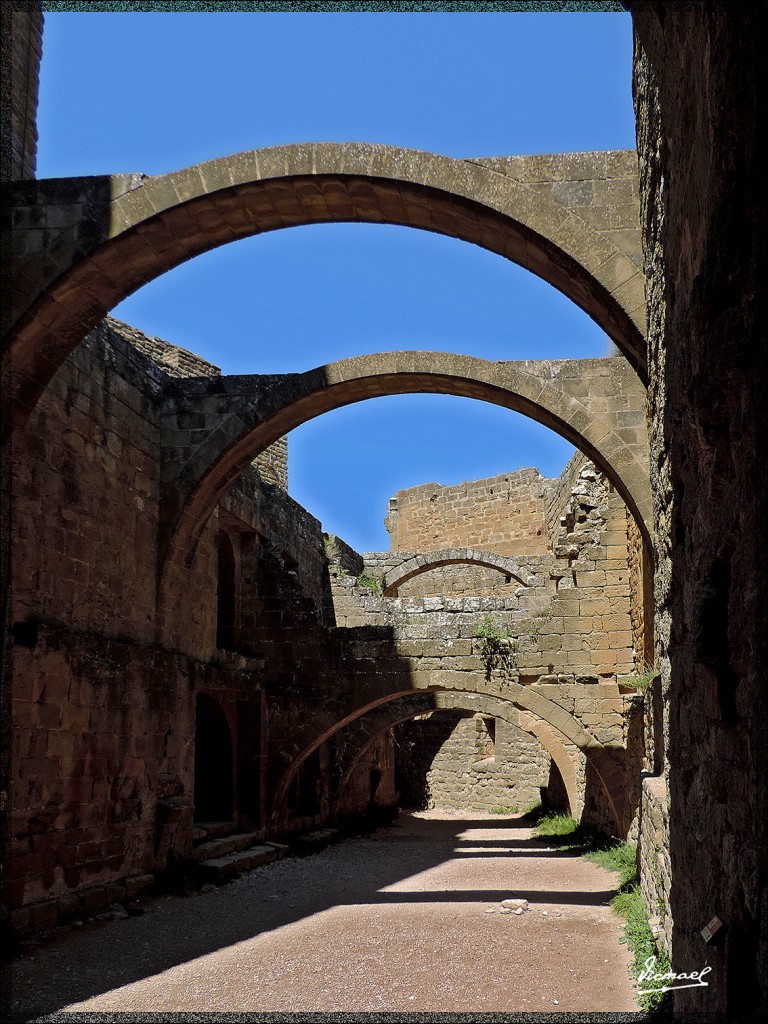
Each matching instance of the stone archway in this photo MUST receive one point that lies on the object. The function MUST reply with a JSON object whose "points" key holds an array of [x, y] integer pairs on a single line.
{"points": [[562, 730], [506, 565], [597, 404], [403, 709], [122, 231]]}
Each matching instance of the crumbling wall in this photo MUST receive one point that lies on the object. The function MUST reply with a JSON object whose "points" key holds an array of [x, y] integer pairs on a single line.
{"points": [[505, 513]]}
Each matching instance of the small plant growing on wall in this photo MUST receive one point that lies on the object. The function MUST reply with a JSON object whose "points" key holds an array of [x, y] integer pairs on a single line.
{"points": [[371, 582], [331, 548], [498, 647]]}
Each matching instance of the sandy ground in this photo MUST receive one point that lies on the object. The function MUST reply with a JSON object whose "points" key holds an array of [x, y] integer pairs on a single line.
{"points": [[406, 920]]}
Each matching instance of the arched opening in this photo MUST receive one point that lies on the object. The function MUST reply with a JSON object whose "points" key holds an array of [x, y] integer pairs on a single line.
{"points": [[585, 401], [457, 759], [213, 762]]}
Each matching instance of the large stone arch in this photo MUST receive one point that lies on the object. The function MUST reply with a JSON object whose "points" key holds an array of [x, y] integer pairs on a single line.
{"points": [[507, 565], [596, 404], [561, 730], [405, 708], [104, 237], [316, 729]]}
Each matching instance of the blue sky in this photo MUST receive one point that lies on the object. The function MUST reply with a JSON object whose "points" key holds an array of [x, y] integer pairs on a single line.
{"points": [[163, 91]]}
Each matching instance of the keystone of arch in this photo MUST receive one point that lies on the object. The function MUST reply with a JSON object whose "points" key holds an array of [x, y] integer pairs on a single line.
{"points": [[107, 236], [507, 565], [596, 404]]}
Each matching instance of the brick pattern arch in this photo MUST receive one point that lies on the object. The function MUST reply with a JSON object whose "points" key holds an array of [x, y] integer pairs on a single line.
{"points": [[98, 239], [372, 725], [551, 725], [213, 429], [506, 565], [318, 728]]}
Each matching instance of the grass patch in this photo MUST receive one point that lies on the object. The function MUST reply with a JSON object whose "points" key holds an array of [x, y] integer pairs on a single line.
{"points": [[498, 647], [630, 905], [370, 582], [563, 831], [505, 810]]}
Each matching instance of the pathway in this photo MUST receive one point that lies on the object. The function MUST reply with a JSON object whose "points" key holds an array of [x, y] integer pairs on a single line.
{"points": [[408, 919]]}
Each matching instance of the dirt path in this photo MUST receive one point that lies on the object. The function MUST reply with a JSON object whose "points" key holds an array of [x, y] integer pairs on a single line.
{"points": [[407, 920]]}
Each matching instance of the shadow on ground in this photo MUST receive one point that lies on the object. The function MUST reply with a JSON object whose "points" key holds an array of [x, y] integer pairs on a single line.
{"points": [[103, 956]]}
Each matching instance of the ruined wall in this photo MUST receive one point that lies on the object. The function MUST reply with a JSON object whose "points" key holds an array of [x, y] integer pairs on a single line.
{"points": [[272, 463], [85, 493], [460, 761], [505, 513], [22, 43], [699, 86]]}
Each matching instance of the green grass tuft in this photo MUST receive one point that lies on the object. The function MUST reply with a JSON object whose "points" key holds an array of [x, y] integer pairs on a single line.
{"points": [[561, 830], [505, 810]]}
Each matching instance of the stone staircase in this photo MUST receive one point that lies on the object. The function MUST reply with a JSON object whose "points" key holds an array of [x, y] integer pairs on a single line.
{"points": [[220, 853]]}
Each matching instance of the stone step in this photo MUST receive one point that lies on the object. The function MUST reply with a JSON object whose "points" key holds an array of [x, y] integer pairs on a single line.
{"points": [[219, 869], [313, 842], [280, 848], [212, 829], [221, 847]]}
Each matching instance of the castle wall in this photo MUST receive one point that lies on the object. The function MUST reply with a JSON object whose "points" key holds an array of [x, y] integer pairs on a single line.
{"points": [[505, 513], [460, 761], [699, 93]]}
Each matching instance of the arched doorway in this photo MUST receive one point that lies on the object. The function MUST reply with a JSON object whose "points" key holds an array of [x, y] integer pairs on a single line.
{"points": [[213, 762]]}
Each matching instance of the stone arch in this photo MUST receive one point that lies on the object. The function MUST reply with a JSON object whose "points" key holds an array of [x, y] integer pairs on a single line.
{"points": [[563, 725], [506, 565], [596, 404], [122, 231], [403, 709]]}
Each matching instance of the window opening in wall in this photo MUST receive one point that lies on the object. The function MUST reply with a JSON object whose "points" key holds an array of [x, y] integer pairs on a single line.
{"points": [[486, 737]]}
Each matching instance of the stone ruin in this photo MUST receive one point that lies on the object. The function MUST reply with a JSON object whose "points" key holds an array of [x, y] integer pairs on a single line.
{"points": [[191, 668]]}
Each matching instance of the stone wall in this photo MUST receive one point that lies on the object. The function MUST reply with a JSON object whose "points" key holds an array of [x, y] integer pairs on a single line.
{"points": [[699, 83], [22, 44], [505, 513], [460, 761], [272, 463], [655, 864]]}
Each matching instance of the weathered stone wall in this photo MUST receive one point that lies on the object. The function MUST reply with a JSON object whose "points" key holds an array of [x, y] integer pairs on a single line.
{"points": [[655, 864], [699, 83], [461, 761], [86, 495], [560, 494], [272, 463], [505, 513], [22, 43]]}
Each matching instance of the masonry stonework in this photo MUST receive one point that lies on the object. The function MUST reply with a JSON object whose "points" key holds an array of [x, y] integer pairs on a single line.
{"points": [[174, 610], [505, 514]]}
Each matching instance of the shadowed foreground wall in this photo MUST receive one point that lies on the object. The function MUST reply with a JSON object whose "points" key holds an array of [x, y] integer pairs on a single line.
{"points": [[700, 89]]}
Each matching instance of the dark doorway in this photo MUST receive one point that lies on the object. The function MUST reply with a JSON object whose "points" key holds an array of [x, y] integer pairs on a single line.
{"points": [[213, 762]]}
